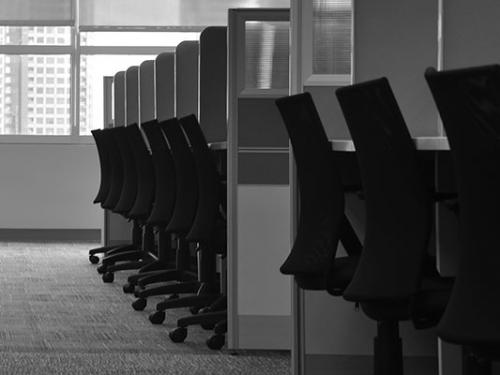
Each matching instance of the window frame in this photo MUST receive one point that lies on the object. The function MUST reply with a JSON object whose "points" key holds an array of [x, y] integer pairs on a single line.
{"points": [[76, 51]]}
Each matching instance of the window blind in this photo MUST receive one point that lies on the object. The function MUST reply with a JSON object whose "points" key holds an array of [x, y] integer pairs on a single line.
{"points": [[174, 13], [36, 12]]}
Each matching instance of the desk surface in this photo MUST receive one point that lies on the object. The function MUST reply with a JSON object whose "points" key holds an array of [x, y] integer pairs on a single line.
{"points": [[218, 146], [422, 143]]}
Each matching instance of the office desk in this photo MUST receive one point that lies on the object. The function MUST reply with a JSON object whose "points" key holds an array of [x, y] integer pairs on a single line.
{"points": [[217, 146]]}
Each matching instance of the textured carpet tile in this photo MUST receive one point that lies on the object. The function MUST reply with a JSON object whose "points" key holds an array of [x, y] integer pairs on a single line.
{"points": [[58, 317]]}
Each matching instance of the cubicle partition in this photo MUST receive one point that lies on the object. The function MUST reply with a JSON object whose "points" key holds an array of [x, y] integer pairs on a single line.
{"points": [[186, 78], [213, 83], [335, 43], [165, 85], [132, 96], [147, 95], [258, 190], [117, 228]]}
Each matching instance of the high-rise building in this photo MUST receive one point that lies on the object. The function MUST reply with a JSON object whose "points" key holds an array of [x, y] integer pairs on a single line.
{"points": [[35, 90]]}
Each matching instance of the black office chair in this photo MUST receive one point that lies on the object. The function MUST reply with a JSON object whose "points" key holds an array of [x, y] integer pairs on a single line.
{"points": [[109, 142], [393, 265], [322, 221], [111, 178], [166, 202], [104, 186], [161, 212], [186, 201], [206, 290], [136, 187], [468, 101], [208, 231]]}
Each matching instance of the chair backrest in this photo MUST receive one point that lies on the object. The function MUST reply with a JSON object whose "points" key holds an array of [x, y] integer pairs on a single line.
{"points": [[145, 174], [116, 166], [320, 190], [104, 163], [468, 101], [186, 201], [163, 163], [129, 189], [398, 206], [209, 187]]}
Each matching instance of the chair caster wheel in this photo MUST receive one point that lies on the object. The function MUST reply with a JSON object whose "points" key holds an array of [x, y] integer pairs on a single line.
{"points": [[108, 277], [194, 310], [204, 310], [139, 304], [173, 296], [101, 269], [178, 335], [157, 317], [128, 288], [93, 259], [207, 326], [216, 342]]}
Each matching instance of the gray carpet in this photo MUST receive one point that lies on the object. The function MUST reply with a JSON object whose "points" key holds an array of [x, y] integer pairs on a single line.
{"points": [[58, 317]]}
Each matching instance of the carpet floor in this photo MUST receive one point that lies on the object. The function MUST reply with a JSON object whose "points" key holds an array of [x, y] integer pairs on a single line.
{"points": [[58, 317]]}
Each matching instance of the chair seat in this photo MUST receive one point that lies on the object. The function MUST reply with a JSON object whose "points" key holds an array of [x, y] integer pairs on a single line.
{"points": [[337, 279], [428, 305], [340, 274]]}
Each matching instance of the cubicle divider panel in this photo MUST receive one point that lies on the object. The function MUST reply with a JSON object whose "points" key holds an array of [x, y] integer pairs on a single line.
{"points": [[165, 85], [119, 99], [186, 78], [469, 38], [334, 43], [117, 228], [213, 83], [132, 95], [258, 184], [147, 91], [399, 40]]}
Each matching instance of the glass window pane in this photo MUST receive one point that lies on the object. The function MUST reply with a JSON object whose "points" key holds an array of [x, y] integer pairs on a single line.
{"points": [[30, 36], [332, 24], [93, 68], [125, 38], [25, 102], [267, 55]]}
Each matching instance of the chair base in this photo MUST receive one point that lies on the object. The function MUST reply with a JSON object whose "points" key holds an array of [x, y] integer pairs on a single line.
{"points": [[473, 364], [388, 350]]}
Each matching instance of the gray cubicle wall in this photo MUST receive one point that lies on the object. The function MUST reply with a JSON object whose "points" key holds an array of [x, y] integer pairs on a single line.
{"points": [[118, 229], [399, 39], [392, 38], [132, 96], [147, 95], [186, 78], [258, 190], [165, 85], [119, 98], [213, 83]]}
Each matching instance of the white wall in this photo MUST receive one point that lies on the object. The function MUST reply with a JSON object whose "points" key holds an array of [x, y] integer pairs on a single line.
{"points": [[49, 186]]}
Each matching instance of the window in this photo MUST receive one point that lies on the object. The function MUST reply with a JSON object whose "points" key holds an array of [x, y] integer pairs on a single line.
{"points": [[38, 70]]}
